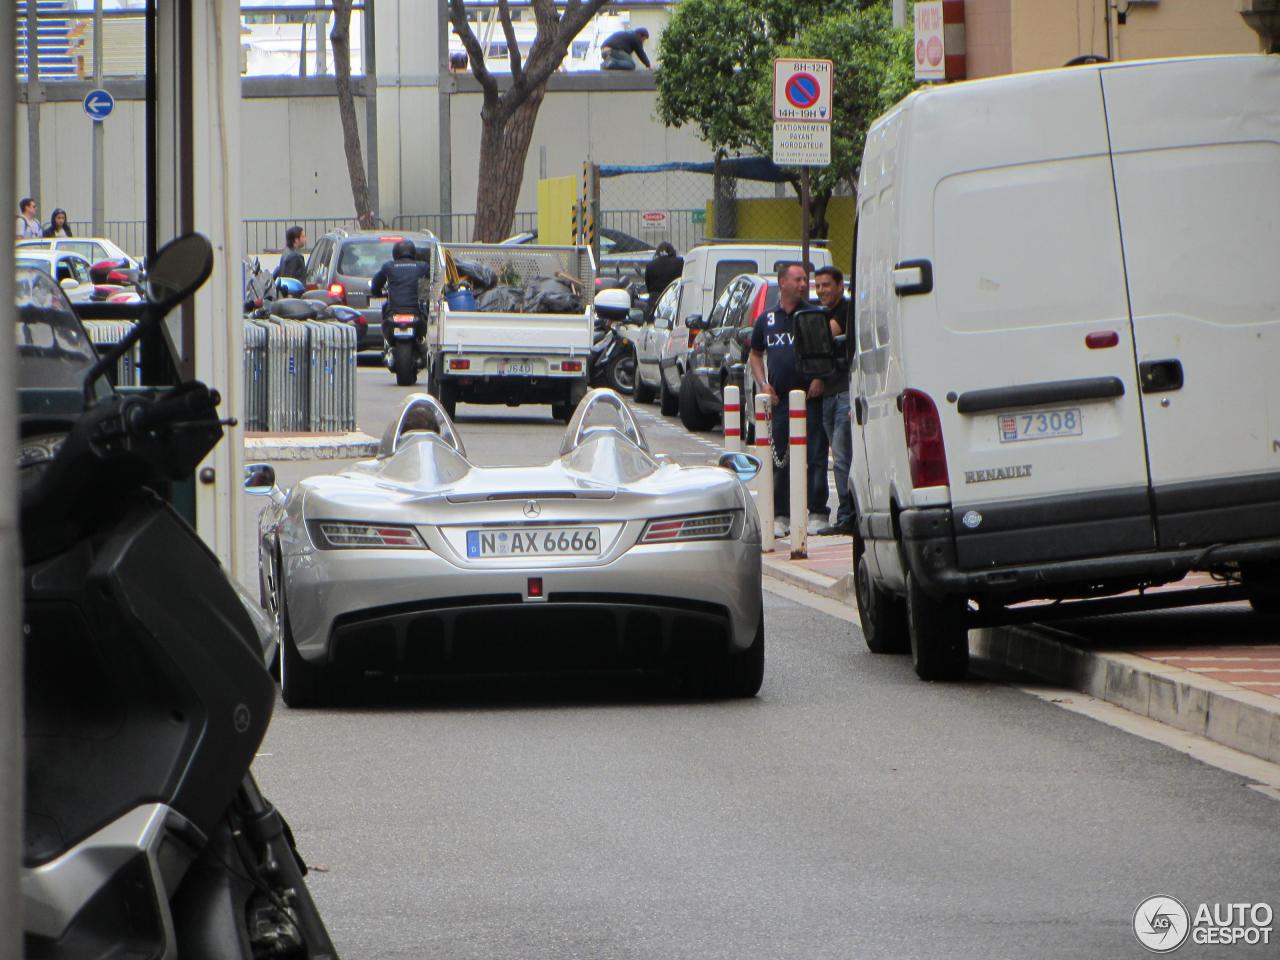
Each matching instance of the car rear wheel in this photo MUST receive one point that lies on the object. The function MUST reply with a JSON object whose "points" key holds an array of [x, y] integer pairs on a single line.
{"points": [[405, 364], [882, 615], [644, 393], [668, 402], [302, 684], [691, 414], [938, 632], [744, 669]]}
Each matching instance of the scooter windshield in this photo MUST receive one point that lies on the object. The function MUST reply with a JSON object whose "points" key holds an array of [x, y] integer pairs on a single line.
{"points": [[54, 352]]}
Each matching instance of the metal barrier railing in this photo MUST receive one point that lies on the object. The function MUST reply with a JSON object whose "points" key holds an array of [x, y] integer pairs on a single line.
{"points": [[458, 227], [105, 334], [299, 375]]}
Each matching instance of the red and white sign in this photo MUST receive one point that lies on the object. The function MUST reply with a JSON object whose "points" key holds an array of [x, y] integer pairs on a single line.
{"points": [[654, 217], [939, 34], [802, 89]]}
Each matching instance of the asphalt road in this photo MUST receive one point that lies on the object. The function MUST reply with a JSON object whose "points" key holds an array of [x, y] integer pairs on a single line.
{"points": [[848, 811]]}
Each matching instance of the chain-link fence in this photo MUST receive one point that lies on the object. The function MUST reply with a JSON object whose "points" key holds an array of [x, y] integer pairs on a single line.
{"points": [[459, 227]]}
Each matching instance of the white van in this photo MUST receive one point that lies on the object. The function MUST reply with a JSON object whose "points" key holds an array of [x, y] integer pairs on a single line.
{"points": [[707, 271], [1067, 380]]}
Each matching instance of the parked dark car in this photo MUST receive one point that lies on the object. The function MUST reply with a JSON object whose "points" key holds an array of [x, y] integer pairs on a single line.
{"points": [[719, 350], [342, 263]]}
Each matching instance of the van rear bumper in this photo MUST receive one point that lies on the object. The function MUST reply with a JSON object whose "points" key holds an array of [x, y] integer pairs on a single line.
{"points": [[929, 548]]}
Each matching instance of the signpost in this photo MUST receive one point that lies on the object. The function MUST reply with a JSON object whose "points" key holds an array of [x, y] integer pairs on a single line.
{"points": [[802, 123], [931, 63], [98, 104]]}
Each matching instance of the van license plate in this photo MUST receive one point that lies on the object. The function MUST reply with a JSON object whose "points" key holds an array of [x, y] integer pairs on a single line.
{"points": [[515, 368], [1040, 425]]}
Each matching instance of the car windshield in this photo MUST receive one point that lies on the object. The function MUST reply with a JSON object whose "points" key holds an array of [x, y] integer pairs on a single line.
{"points": [[362, 258], [42, 265], [54, 353]]}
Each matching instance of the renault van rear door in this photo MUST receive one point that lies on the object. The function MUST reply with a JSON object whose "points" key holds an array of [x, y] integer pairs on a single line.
{"points": [[1196, 154]]}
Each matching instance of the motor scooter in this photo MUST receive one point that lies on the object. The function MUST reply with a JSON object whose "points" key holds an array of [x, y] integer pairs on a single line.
{"points": [[404, 339], [613, 354], [146, 689]]}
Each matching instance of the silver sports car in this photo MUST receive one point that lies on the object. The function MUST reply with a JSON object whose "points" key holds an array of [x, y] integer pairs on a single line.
{"points": [[607, 557]]}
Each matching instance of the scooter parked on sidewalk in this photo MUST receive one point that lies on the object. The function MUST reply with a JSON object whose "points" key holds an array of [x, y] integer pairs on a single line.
{"points": [[146, 692]]}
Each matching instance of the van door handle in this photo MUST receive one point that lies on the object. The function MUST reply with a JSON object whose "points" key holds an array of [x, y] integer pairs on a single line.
{"points": [[1160, 376], [859, 411]]}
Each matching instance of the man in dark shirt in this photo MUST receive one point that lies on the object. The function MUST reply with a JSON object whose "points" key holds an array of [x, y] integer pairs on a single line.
{"points": [[619, 48], [829, 283], [773, 335], [662, 270], [399, 277], [292, 264]]}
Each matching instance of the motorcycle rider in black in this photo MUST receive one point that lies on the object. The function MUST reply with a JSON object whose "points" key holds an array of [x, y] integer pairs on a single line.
{"points": [[399, 277]]}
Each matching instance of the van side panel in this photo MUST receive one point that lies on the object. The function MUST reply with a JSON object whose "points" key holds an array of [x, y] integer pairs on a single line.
{"points": [[1197, 169], [1009, 192]]}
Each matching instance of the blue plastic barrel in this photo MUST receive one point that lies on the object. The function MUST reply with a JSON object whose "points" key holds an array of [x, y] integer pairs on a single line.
{"points": [[461, 299]]}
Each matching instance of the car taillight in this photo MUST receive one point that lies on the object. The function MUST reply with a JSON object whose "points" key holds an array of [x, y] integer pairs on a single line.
{"points": [[925, 452], [706, 526], [757, 308], [338, 292], [571, 366], [341, 535]]}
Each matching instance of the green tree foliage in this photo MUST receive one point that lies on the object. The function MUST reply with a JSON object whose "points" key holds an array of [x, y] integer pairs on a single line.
{"points": [[717, 73]]}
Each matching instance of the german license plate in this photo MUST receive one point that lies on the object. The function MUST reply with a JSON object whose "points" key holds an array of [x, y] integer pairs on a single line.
{"points": [[515, 368], [533, 542], [1040, 424]]}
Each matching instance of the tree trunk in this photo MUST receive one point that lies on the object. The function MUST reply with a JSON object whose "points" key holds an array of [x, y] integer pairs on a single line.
{"points": [[339, 37], [504, 146]]}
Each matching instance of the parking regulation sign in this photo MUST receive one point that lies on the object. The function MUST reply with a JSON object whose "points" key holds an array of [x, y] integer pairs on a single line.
{"points": [[802, 90], [98, 104]]}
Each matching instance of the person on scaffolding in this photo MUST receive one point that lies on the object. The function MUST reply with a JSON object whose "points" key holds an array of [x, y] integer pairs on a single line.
{"points": [[619, 49]]}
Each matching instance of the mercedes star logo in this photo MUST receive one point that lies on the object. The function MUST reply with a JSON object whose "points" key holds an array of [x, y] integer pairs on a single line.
{"points": [[531, 508]]}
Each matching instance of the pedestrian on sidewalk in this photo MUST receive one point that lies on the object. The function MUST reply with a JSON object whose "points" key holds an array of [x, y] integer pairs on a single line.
{"points": [[829, 284], [774, 336], [28, 226], [618, 49], [58, 226]]}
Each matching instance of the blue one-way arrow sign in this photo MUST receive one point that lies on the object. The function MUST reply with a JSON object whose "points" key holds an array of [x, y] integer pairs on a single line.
{"points": [[98, 104]]}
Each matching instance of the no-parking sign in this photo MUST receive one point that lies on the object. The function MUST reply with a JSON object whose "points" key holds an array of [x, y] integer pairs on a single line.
{"points": [[802, 90]]}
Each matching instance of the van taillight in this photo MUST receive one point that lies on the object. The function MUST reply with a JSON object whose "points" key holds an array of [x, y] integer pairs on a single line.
{"points": [[925, 452]]}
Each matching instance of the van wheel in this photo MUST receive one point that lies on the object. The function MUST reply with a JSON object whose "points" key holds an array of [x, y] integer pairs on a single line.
{"points": [[882, 614], [938, 633], [668, 403], [691, 415], [1263, 585]]}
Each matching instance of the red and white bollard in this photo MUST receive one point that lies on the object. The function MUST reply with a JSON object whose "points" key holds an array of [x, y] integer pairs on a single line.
{"points": [[798, 436], [763, 482], [732, 420]]}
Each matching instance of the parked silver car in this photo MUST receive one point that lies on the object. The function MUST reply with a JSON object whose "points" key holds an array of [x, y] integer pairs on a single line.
{"points": [[419, 561]]}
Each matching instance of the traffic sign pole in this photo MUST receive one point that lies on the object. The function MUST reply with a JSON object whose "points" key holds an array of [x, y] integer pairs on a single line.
{"points": [[99, 176]]}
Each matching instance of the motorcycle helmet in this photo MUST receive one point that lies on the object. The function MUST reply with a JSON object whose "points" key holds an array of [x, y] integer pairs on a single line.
{"points": [[289, 287], [403, 250], [613, 305]]}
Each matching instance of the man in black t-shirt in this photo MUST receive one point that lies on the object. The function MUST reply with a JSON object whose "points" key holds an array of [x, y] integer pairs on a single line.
{"points": [[835, 401], [773, 336]]}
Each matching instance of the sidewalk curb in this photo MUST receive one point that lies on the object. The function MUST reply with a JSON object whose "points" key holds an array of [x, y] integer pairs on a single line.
{"points": [[840, 590], [1221, 712], [339, 446], [1218, 711]]}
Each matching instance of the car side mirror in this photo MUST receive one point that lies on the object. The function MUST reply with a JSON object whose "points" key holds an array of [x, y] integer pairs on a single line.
{"points": [[694, 321], [745, 465], [259, 479], [68, 283]]}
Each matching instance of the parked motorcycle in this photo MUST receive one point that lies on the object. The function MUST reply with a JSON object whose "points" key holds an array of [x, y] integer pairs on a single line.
{"points": [[146, 690], [613, 354]]}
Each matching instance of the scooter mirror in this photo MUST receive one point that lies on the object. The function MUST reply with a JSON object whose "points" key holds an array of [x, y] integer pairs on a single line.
{"points": [[179, 269]]}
